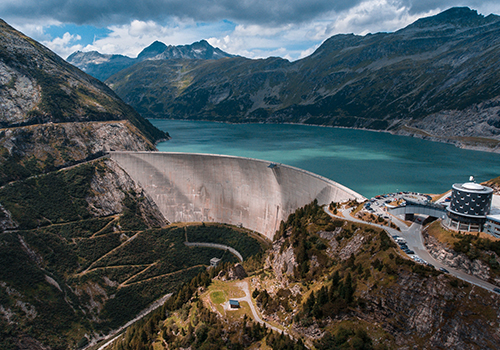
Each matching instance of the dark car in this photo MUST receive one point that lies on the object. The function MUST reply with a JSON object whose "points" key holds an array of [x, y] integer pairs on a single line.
{"points": [[442, 269], [496, 290]]}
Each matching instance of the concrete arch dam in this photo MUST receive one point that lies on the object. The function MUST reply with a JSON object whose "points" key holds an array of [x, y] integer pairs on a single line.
{"points": [[257, 194]]}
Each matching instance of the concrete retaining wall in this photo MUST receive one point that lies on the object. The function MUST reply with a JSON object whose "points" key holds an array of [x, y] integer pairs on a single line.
{"points": [[191, 187], [216, 246]]}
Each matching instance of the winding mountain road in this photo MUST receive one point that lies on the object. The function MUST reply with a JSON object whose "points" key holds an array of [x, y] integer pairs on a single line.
{"points": [[244, 286], [413, 237]]}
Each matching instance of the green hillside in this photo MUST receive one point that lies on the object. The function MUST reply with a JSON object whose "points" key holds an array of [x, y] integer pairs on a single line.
{"points": [[439, 75]]}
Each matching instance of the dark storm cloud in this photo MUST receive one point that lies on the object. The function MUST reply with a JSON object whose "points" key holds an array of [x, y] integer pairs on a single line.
{"points": [[421, 6], [105, 12]]}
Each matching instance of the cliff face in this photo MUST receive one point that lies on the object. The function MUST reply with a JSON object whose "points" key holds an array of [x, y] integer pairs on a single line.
{"points": [[429, 313], [457, 260], [52, 114], [326, 276], [108, 191]]}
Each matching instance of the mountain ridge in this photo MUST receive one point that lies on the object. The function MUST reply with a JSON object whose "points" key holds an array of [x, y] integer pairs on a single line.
{"points": [[438, 66], [52, 114], [56, 186], [102, 66]]}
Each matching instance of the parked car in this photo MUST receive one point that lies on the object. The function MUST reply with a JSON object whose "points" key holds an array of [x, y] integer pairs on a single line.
{"points": [[496, 290], [442, 269]]}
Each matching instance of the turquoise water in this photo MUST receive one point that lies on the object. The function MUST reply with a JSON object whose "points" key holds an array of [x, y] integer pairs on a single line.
{"points": [[370, 163]]}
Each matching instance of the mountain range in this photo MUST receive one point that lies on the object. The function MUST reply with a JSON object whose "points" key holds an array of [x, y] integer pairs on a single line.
{"points": [[83, 250], [103, 66], [437, 78]]}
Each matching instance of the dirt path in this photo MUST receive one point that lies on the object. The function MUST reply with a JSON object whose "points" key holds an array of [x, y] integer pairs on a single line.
{"points": [[124, 283], [164, 275], [115, 217], [108, 253], [116, 267]]}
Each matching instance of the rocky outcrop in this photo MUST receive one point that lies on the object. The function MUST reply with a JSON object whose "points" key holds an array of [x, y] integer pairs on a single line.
{"points": [[435, 312], [236, 272], [37, 149], [457, 127], [456, 260], [110, 187], [19, 94], [68, 142], [6, 222], [281, 260]]}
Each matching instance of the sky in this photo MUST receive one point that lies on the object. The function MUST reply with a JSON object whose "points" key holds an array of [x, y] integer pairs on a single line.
{"points": [[291, 29]]}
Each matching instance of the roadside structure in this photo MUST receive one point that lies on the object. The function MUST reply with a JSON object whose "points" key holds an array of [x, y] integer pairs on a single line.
{"points": [[469, 206]]}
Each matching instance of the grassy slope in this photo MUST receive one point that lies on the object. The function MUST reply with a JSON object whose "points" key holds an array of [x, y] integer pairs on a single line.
{"points": [[363, 294], [350, 80], [379, 285], [106, 269]]}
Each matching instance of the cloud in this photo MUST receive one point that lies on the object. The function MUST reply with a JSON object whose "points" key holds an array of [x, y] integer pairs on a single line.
{"points": [[130, 39], [106, 12], [374, 16], [253, 28], [64, 45], [276, 12]]}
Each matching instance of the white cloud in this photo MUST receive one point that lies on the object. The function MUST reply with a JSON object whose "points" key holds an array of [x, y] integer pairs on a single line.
{"points": [[308, 51], [295, 41], [289, 38], [130, 39], [374, 16], [34, 29], [65, 45]]}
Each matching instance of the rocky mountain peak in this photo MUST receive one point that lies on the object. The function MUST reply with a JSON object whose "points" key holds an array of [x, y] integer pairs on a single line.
{"points": [[459, 17], [83, 59], [103, 66], [197, 50], [152, 50]]}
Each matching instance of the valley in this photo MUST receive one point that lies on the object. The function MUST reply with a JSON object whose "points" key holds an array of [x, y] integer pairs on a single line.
{"points": [[106, 243], [437, 79]]}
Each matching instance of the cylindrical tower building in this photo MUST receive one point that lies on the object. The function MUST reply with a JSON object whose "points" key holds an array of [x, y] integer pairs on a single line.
{"points": [[470, 203]]}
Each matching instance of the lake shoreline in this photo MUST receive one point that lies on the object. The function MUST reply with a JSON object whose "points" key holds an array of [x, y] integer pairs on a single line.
{"points": [[400, 132], [368, 162]]}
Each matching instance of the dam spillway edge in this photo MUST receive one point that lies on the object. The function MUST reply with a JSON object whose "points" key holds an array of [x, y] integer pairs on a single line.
{"points": [[256, 194]]}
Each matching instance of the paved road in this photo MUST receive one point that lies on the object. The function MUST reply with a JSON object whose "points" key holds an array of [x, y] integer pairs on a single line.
{"points": [[413, 236], [244, 286], [114, 335], [415, 242]]}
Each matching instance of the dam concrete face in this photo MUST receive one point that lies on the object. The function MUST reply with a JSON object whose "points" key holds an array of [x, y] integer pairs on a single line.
{"points": [[257, 194]]}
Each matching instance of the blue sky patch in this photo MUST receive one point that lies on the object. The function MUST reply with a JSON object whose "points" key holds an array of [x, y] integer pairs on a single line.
{"points": [[87, 33]]}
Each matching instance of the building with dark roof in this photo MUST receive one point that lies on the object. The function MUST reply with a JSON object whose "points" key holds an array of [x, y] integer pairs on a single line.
{"points": [[234, 304], [469, 206]]}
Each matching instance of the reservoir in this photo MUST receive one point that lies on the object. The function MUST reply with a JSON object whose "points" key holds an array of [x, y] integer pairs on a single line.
{"points": [[368, 162]]}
